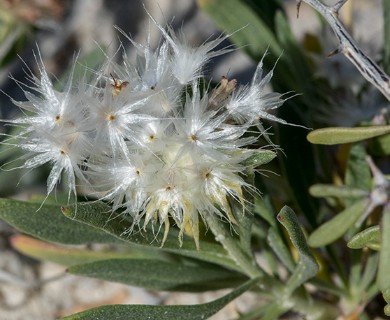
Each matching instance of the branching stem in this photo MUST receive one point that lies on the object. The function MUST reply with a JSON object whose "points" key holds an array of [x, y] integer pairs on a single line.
{"points": [[366, 66]]}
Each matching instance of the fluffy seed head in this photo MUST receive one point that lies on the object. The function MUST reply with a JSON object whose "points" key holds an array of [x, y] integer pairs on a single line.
{"points": [[147, 137]]}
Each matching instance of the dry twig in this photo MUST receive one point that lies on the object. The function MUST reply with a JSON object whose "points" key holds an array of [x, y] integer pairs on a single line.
{"points": [[367, 67]]}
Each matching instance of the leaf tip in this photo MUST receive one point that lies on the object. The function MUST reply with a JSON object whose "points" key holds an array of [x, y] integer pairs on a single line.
{"points": [[311, 137], [15, 240], [66, 211]]}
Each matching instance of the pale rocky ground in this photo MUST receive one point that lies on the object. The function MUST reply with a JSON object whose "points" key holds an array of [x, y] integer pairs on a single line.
{"points": [[31, 290]]}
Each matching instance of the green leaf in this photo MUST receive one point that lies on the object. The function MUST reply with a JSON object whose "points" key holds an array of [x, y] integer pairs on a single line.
{"points": [[253, 35], [160, 275], [370, 238], [383, 277], [380, 146], [144, 312], [327, 190], [275, 241], [259, 158], [97, 214], [245, 222], [245, 217], [386, 310], [369, 274], [336, 227], [358, 174], [47, 223], [386, 297], [64, 255], [307, 266], [338, 135]]}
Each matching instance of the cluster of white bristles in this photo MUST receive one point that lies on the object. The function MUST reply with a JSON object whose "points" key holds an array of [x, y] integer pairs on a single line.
{"points": [[149, 138]]}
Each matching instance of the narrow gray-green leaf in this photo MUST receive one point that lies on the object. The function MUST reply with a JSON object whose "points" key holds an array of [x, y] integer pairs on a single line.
{"points": [[176, 312], [259, 158], [383, 278], [330, 136], [386, 297], [336, 227], [245, 222], [275, 241], [68, 255], [245, 218], [386, 310], [160, 275], [328, 190], [370, 238], [97, 214], [369, 274], [358, 173], [47, 223], [307, 266]]}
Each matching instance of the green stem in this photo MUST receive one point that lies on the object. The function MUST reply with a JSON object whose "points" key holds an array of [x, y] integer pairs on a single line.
{"points": [[232, 246], [298, 300], [317, 310]]}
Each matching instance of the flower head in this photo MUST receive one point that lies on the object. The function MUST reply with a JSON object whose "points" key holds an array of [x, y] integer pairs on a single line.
{"points": [[186, 61], [54, 129], [205, 131], [252, 103], [148, 137]]}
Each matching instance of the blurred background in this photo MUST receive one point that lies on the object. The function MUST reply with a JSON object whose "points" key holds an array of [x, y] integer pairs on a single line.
{"points": [[61, 29]]}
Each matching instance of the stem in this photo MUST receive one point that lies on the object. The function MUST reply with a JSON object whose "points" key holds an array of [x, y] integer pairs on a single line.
{"points": [[232, 246], [367, 67], [298, 300], [315, 310]]}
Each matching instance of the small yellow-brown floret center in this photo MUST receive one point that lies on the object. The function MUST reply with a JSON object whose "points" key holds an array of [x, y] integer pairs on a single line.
{"points": [[207, 174], [111, 117]]}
